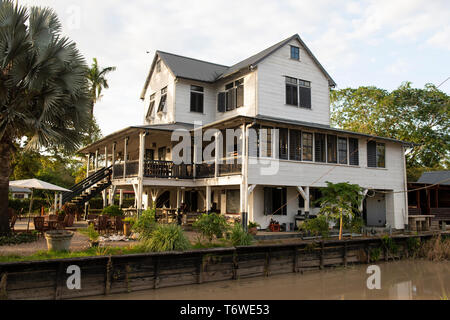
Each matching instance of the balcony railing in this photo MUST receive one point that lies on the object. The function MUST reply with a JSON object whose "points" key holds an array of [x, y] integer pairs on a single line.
{"points": [[167, 169]]}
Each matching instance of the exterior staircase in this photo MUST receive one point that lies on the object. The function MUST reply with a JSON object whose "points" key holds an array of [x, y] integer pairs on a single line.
{"points": [[85, 190]]}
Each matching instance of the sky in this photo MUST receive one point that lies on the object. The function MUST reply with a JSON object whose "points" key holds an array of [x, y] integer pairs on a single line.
{"points": [[360, 43]]}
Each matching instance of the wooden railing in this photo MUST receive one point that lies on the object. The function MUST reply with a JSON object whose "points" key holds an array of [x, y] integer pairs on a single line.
{"points": [[167, 169]]}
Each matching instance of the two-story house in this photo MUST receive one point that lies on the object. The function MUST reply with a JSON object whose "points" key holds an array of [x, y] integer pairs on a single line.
{"points": [[283, 152]]}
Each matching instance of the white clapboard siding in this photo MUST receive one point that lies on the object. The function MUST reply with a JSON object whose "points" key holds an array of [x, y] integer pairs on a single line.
{"points": [[272, 92]]}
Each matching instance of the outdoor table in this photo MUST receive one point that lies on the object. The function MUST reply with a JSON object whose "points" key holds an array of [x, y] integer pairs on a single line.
{"points": [[420, 222]]}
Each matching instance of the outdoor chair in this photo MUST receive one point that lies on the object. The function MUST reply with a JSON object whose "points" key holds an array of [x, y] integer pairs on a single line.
{"points": [[39, 225], [13, 222], [118, 224], [101, 223]]}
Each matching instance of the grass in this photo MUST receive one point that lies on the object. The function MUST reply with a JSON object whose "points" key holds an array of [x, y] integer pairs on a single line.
{"points": [[435, 249]]}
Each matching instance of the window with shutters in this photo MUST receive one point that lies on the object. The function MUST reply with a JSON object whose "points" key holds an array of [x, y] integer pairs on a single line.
{"points": [[331, 148], [319, 146], [353, 153], [342, 150], [232, 97], [376, 155], [197, 99], [295, 145], [307, 146], [275, 201], [283, 143], [151, 106], [162, 102]]}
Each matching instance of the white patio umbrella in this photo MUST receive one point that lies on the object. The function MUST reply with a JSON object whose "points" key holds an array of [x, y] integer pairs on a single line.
{"points": [[36, 184]]}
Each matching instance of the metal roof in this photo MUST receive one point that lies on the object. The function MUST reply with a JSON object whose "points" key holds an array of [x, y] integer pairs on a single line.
{"points": [[14, 189], [167, 127], [435, 177]]}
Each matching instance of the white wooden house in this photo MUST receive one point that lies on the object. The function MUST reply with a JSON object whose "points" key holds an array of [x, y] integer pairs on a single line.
{"points": [[283, 87]]}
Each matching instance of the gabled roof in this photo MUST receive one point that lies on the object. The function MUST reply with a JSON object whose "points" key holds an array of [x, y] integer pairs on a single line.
{"points": [[434, 177], [194, 69]]}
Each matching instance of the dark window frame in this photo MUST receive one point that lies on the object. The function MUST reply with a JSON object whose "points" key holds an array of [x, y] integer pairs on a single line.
{"points": [[342, 152], [353, 151], [307, 149], [295, 53], [197, 99], [320, 147], [332, 148], [151, 106], [163, 100]]}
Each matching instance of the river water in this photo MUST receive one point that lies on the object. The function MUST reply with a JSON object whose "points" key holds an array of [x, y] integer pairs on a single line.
{"points": [[404, 280]]}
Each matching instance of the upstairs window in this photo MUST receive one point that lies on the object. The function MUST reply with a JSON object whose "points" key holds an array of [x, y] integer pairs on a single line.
{"points": [[353, 151], [295, 53], [376, 155], [162, 102], [319, 143], [283, 143], [158, 66], [342, 150], [295, 145], [197, 99], [151, 106], [307, 146], [331, 149], [298, 93], [232, 97]]}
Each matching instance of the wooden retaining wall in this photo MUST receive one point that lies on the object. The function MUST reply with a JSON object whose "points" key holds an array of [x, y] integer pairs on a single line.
{"points": [[127, 273]]}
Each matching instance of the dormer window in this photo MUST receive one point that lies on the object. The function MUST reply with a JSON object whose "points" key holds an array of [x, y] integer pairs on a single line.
{"points": [[151, 106], [295, 53], [162, 102]]}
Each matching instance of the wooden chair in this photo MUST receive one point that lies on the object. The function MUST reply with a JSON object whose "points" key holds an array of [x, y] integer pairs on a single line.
{"points": [[118, 224], [39, 225], [102, 223], [13, 222]]}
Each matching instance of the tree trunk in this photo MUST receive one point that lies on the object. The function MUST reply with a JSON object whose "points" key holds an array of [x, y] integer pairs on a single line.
{"points": [[5, 171]]}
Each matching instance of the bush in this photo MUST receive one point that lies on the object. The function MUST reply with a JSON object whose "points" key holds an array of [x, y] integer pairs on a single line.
{"points": [[113, 211], [239, 237], [252, 224], [318, 226], [211, 225], [19, 238], [389, 244], [167, 237], [90, 232], [19, 204], [145, 224], [353, 225]]}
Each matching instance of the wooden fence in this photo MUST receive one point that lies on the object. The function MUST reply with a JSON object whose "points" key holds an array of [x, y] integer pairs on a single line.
{"points": [[105, 275]]}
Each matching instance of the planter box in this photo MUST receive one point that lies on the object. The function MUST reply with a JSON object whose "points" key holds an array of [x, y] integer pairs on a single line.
{"points": [[58, 240]]}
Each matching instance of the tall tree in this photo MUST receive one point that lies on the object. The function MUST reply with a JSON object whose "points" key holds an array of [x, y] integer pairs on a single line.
{"points": [[97, 80], [44, 92], [421, 116]]}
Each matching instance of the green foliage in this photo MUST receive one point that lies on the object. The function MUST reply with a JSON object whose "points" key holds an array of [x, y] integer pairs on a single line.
{"points": [[211, 225], [113, 211], [145, 224], [318, 226], [90, 232], [167, 237], [252, 224], [409, 114], [130, 220], [18, 238], [239, 237], [375, 254], [413, 245], [19, 204], [389, 244], [352, 224]]}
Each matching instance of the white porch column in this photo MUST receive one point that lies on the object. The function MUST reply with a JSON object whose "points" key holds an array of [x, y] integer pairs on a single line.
{"points": [[208, 199], [362, 201], [178, 198], [60, 201], [88, 164], [141, 170], [217, 154], [121, 198], [106, 157], [125, 157], [250, 191], [96, 160], [305, 194], [113, 158], [56, 202]]}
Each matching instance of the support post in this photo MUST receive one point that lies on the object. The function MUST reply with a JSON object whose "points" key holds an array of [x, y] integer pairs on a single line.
{"points": [[56, 202], [96, 160], [217, 153], [121, 198], [106, 156], [88, 164], [125, 157], [305, 195], [362, 200], [208, 199], [141, 171]]}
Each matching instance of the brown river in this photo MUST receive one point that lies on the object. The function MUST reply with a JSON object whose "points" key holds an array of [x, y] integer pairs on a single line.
{"points": [[399, 280]]}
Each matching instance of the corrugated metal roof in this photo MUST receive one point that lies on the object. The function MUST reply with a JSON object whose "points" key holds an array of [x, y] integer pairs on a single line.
{"points": [[19, 190], [190, 68], [434, 177], [167, 127]]}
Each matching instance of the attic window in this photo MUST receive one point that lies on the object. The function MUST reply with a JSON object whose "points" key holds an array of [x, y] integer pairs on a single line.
{"points": [[162, 102], [295, 53], [158, 66], [152, 106]]}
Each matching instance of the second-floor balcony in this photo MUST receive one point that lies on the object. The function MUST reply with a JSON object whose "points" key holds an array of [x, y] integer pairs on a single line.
{"points": [[170, 170]]}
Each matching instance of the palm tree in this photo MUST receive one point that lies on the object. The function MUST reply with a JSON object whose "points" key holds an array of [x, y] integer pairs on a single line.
{"points": [[98, 82], [44, 92]]}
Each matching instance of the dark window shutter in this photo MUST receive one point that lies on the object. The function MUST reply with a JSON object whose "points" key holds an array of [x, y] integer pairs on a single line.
{"points": [[267, 201], [319, 147], [283, 143], [353, 152], [372, 154], [240, 96], [305, 97], [295, 145], [221, 102]]}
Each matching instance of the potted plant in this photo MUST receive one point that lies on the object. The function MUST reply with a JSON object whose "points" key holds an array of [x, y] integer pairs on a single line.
{"points": [[274, 226], [92, 234], [58, 240], [253, 228], [127, 225]]}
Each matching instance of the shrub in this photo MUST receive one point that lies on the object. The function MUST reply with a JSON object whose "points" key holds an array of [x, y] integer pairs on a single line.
{"points": [[413, 245], [113, 211], [168, 237], [389, 244], [130, 220], [145, 224], [252, 224], [436, 249], [239, 237], [19, 238], [211, 225], [318, 226], [375, 254], [90, 232], [353, 225]]}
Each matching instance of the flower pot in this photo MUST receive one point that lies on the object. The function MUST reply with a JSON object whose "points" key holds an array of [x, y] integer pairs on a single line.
{"points": [[126, 229], [58, 240], [253, 231]]}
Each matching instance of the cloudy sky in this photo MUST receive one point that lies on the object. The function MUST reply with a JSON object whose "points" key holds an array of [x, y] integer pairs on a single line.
{"points": [[380, 42]]}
